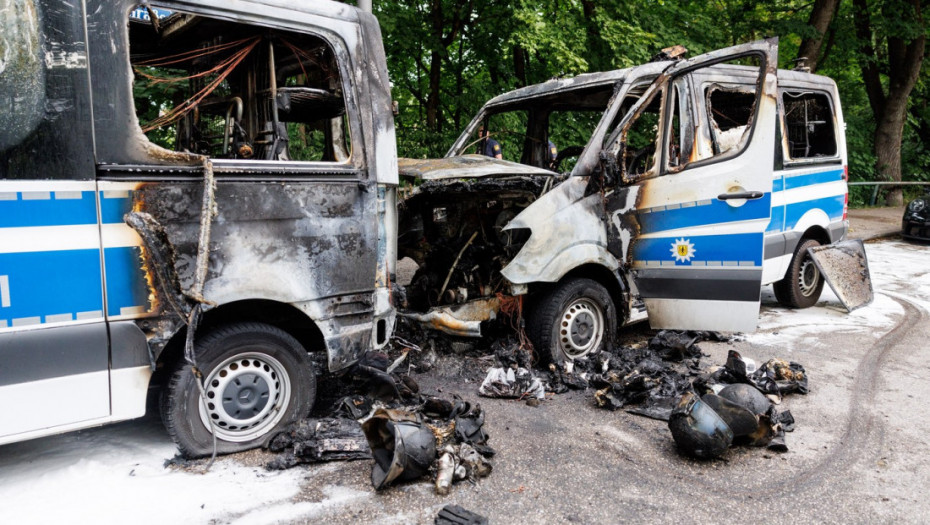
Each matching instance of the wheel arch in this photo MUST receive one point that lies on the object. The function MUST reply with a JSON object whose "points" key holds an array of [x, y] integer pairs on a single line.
{"points": [[281, 315], [818, 233], [609, 279]]}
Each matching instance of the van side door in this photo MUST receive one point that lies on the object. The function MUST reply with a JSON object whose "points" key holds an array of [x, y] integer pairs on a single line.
{"points": [[695, 163]]}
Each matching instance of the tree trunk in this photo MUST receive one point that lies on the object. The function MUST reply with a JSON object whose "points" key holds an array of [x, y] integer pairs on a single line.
{"points": [[888, 135], [905, 59], [519, 65], [597, 49], [432, 98], [435, 65], [820, 19]]}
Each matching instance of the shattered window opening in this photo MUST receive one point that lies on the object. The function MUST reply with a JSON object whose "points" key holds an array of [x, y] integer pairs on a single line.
{"points": [[206, 86], [508, 129], [639, 138], [525, 127], [809, 121], [730, 111], [569, 132], [680, 138]]}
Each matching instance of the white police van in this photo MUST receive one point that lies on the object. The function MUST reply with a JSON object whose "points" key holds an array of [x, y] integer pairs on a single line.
{"points": [[695, 182]]}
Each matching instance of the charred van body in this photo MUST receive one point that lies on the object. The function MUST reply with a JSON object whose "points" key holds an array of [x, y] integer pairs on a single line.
{"points": [[182, 155], [677, 188]]}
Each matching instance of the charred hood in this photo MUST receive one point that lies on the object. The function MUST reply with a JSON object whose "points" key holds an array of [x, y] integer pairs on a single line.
{"points": [[465, 167]]}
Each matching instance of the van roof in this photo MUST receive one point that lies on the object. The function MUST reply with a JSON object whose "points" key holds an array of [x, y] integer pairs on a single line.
{"points": [[785, 77]]}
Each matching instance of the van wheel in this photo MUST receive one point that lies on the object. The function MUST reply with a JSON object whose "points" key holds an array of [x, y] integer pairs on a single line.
{"points": [[573, 320], [257, 379], [803, 283]]}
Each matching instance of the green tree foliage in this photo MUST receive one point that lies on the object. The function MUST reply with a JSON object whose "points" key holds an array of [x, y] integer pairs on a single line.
{"points": [[447, 57]]}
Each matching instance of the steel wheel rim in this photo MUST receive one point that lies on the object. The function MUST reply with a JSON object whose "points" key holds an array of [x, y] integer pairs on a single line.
{"points": [[246, 395], [808, 277], [581, 328]]}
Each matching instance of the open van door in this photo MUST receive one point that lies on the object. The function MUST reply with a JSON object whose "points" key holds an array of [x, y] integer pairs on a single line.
{"points": [[694, 155]]}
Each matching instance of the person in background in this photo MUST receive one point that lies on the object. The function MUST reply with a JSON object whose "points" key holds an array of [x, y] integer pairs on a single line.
{"points": [[489, 146], [553, 156]]}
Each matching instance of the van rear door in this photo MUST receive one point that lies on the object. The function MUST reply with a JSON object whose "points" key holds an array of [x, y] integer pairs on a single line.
{"points": [[695, 154]]}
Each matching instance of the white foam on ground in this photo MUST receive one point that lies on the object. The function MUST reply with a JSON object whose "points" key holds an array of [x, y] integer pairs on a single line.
{"points": [[305, 510], [116, 474], [896, 268]]}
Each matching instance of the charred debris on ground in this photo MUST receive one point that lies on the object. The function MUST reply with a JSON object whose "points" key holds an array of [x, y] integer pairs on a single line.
{"points": [[377, 412]]}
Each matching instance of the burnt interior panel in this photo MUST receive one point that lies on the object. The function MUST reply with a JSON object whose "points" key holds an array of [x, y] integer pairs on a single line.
{"points": [[231, 90]]}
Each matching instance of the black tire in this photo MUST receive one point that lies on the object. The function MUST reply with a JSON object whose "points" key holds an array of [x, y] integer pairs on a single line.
{"points": [[263, 378], [575, 319], [803, 283]]}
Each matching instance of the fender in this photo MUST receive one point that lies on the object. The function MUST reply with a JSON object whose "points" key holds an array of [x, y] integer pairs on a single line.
{"points": [[567, 232], [812, 217]]}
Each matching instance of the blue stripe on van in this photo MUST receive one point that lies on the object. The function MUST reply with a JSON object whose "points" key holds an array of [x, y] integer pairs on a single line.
{"points": [[832, 206], [740, 247], [51, 211], [126, 284], [68, 282], [51, 283], [820, 177], [716, 212], [777, 223], [112, 209]]}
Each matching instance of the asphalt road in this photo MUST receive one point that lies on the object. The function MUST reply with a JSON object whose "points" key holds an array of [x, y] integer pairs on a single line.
{"points": [[858, 455]]}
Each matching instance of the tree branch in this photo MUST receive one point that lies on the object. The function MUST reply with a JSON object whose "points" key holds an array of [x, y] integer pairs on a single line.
{"points": [[867, 60]]}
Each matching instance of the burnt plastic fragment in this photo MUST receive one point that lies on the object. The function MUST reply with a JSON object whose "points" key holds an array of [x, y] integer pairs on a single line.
{"points": [[740, 420], [437, 407], [789, 377], [356, 407], [456, 515], [698, 430], [318, 440], [403, 448], [786, 420], [372, 368], [605, 398], [746, 396], [469, 424], [675, 346]]}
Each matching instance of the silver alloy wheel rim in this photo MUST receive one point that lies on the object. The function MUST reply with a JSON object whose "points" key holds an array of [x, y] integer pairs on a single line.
{"points": [[246, 396], [581, 328], [808, 276]]}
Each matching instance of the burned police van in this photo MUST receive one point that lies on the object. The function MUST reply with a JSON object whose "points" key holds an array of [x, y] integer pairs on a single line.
{"points": [[677, 188], [196, 197]]}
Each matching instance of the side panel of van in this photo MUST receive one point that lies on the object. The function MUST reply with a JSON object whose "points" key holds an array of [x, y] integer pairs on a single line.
{"points": [[53, 338]]}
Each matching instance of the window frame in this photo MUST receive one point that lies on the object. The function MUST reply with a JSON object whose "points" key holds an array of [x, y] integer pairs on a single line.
{"points": [[352, 166], [787, 160], [697, 88]]}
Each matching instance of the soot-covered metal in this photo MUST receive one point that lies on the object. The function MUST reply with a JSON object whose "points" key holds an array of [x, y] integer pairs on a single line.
{"points": [[590, 245], [294, 197]]}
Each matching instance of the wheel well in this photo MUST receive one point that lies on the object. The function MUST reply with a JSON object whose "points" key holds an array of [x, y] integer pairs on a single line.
{"points": [[817, 233], [281, 315], [615, 287]]}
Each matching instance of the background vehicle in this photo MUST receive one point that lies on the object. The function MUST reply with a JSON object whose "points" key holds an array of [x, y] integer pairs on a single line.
{"points": [[251, 148], [916, 221], [692, 183]]}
